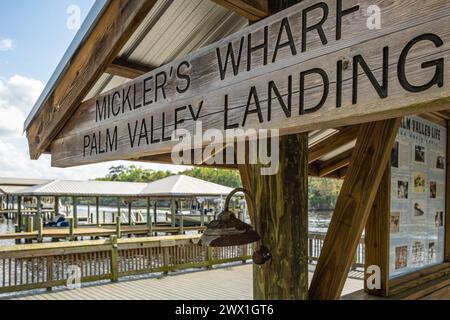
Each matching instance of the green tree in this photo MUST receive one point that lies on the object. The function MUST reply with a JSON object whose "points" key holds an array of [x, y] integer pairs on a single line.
{"points": [[229, 178], [323, 193]]}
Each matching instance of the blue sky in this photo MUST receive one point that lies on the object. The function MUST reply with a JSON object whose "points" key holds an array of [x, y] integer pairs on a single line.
{"points": [[39, 34], [34, 36]]}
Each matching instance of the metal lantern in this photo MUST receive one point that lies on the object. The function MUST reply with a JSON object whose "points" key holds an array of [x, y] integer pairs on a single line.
{"points": [[228, 230]]}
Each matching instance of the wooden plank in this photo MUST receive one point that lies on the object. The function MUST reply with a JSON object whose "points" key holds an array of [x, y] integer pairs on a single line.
{"points": [[120, 19], [219, 104], [253, 10], [127, 69], [342, 160], [370, 157], [377, 235]]}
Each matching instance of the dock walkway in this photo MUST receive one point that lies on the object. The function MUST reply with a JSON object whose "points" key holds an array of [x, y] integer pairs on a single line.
{"points": [[225, 283]]}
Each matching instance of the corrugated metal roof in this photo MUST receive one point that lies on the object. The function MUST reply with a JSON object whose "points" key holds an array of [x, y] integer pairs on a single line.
{"points": [[173, 29], [22, 182], [171, 186], [184, 186], [11, 189], [85, 188]]}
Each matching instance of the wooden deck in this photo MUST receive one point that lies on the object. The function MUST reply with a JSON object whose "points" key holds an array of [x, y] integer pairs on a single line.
{"points": [[230, 283], [106, 231]]}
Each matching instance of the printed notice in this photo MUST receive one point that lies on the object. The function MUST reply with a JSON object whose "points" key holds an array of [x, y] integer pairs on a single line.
{"points": [[417, 196]]}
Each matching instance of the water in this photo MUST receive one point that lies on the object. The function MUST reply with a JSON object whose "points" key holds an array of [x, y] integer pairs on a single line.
{"points": [[6, 226]]}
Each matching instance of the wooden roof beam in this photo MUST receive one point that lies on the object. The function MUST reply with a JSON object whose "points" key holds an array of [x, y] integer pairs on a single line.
{"points": [[116, 25], [127, 69], [370, 158], [337, 140], [253, 10], [330, 166]]}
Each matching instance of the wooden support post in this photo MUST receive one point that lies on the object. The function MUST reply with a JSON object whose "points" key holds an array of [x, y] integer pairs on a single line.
{"points": [[149, 219], [56, 207], [39, 218], [97, 211], [104, 217], [71, 228], [7, 207], [209, 257], [129, 212], [368, 164], [155, 212], [19, 213], [173, 211], [30, 224], [40, 237], [75, 212], [114, 259], [118, 210], [181, 224], [282, 221], [377, 235], [118, 225]]}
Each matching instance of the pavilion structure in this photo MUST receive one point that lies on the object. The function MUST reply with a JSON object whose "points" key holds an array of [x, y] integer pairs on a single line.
{"points": [[173, 191], [357, 90]]}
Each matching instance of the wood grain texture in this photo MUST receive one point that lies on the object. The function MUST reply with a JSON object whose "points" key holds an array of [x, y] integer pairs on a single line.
{"points": [[282, 222], [126, 69], [353, 207], [115, 27], [253, 10], [377, 235], [206, 86]]}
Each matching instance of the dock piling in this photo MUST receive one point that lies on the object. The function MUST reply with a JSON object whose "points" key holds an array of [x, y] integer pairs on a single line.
{"points": [[114, 260]]}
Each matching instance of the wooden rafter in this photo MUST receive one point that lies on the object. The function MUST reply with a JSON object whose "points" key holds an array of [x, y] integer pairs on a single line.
{"points": [[330, 166], [119, 21], [127, 69], [377, 235], [335, 141], [253, 10], [370, 157]]}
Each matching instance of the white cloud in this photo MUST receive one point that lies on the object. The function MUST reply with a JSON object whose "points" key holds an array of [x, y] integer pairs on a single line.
{"points": [[6, 44], [17, 96]]}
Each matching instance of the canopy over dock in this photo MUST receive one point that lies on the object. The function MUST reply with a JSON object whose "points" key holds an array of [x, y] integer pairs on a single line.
{"points": [[172, 186], [12, 185]]}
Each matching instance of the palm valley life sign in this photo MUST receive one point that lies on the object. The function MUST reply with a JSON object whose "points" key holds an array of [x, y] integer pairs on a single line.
{"points": [[314, 65]]}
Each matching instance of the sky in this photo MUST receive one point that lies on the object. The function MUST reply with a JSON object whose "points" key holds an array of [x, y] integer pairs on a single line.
{"points": [[34, 35]]}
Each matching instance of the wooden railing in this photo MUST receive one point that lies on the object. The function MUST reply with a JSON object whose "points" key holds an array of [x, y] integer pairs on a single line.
{"points": [[315, 244], [27, 267]]}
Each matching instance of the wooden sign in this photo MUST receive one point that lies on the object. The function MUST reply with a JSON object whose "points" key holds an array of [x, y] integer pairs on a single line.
{"points": [[318, 64]]}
